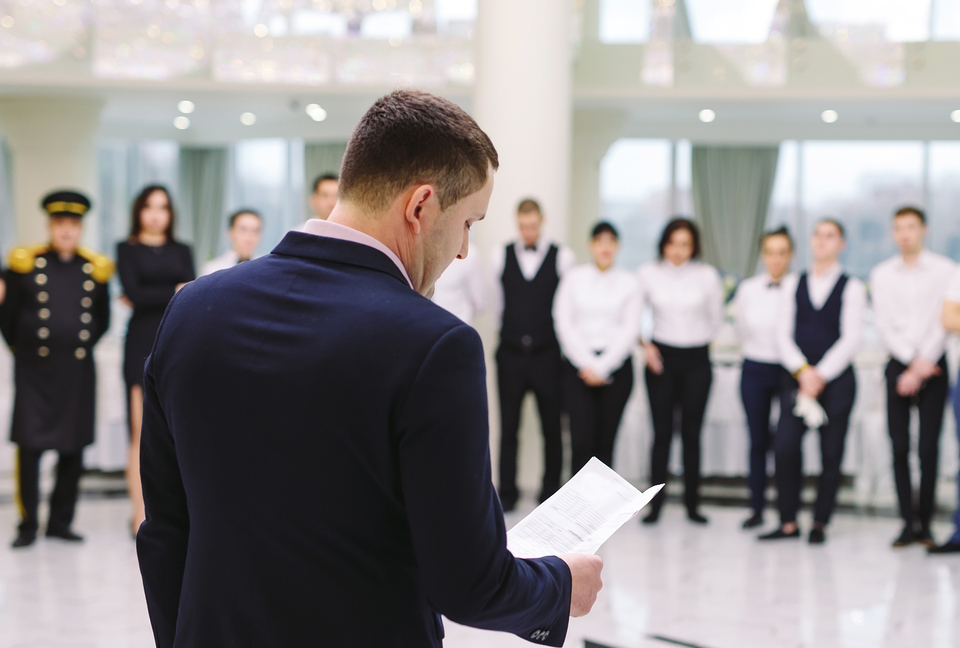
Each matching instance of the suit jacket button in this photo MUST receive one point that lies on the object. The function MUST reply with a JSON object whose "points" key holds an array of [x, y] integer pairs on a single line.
{"points": [[81, 353], [43, 352]]}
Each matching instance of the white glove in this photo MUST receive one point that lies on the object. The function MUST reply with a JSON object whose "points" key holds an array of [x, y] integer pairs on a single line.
{"points": [[808, 409]]}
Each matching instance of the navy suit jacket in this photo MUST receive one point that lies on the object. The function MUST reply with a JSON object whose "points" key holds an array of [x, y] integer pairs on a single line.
{"points": [[316, 468]]}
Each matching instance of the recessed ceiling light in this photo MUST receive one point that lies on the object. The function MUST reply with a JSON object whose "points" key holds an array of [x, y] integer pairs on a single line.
{"points": [[182, 122], [829, 116], [955, 116], [186, 107], [707, 115], [261, 30], [316, 112], [248, 119]]}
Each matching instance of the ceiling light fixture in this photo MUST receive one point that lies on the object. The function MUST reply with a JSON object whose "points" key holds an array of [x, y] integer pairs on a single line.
{"points": [[316, 113], [829, 116], [186, 107], [955, 116], [182, 122], [707, 115], [248, 119]]}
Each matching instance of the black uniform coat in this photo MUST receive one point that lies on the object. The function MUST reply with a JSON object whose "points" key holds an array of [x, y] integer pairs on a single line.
{"points": [[316, 467], [55, 311]]}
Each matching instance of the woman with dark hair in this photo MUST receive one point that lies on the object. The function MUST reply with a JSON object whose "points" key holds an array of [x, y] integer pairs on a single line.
{"points": [[686, 298], [152, 268], [596, 314], [755, 314]]}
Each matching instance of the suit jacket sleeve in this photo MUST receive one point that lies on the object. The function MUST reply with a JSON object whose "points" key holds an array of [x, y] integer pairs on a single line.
{"points": [[162, 539], [10, 308], [454, 513]]}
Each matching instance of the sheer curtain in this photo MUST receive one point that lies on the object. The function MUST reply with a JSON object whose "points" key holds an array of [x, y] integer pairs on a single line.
{"points": [[321, 158], [732, 186], [203, 187]]}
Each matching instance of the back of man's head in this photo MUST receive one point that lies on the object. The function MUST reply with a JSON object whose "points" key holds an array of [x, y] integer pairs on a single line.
{"points": [[411, 137]]}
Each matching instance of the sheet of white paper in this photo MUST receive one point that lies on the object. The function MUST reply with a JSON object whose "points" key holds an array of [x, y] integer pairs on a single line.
{"points": [[580, 516]]}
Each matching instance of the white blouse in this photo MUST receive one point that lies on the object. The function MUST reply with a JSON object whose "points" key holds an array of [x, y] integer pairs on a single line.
{"points": [[595, 311], [755, 317], [686, 300]]}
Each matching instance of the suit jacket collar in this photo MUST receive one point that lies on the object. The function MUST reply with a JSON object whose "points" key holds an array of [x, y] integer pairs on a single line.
{"points": [[322, 248]]}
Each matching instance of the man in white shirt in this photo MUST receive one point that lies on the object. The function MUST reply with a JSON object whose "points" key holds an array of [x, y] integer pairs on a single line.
{"points": [[526, 275], [951, 322], [244, 231], [907, 292], [818, 334]]}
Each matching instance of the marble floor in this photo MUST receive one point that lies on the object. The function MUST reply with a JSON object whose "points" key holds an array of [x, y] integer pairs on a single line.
{"points": [[673, 584]]}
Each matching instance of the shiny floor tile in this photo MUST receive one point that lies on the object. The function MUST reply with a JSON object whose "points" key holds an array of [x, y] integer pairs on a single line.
{"points": [[712, 586]]}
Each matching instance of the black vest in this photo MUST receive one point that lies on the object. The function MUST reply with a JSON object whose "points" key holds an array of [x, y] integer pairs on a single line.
{"points": [[528, 305], [818, 330]]}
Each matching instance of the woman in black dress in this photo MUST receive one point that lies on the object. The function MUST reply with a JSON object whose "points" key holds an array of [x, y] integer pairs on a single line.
{"points": [[152, 267]]}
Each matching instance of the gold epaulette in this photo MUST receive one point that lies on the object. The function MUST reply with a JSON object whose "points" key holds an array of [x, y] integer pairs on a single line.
{"points": [[23, 259], [102, 266]]}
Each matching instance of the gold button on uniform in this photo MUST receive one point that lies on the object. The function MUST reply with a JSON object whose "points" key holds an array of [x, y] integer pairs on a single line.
{"points": [[86, 318], [41, 279], [43, 333], [43, 352], [81, 353], [86, 302], [88, 268], [40, 262], [44, 313], [84, 335], [88, 285], [43, 297]]}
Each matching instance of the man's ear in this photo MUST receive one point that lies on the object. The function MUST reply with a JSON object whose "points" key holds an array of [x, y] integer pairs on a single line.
{"points": [[422, 204]]}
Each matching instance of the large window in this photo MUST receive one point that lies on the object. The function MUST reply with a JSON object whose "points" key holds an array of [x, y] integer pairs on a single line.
{"points": [[943, 201], [635, 189]]}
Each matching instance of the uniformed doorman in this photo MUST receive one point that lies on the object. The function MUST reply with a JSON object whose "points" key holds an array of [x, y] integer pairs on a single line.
{"points": [[56, 308]]}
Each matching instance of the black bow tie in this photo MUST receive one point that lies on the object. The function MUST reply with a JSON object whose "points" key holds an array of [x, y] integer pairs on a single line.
{"points": [[773, 284], [530, 248]]}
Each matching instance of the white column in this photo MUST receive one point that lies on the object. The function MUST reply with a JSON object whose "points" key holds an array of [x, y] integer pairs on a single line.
{"points": [[522, 99], [52, 139]]}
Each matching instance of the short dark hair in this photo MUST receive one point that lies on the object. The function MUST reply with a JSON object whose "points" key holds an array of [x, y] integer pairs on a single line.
{"points": [[680, 223], [910, 209], [140, 202], [528, 206], [410, 137], [324, 177], [780, 231], [232, 220], [830, 220], [603, 227]]}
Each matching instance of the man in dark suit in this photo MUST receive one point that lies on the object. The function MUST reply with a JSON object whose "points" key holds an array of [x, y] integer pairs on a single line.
{"points": [[315, 456]]}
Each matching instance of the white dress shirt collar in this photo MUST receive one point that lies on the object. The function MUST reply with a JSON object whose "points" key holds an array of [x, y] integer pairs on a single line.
{"points": [[318, 227]]}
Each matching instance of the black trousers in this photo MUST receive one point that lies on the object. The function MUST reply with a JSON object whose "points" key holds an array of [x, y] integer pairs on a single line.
{"points": [[682, 388], [63, 501], [759, 387], [595, 413], [930, 403], [837, 401], [519, 372]]}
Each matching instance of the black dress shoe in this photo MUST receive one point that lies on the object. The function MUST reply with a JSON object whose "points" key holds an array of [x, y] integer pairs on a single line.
{"points": [[951, 547], [925, 538], [753, 521], [25, 538], [817, 536], [64, 534], [696, 518], [652, 517], [906, 538], [779, 534]]}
